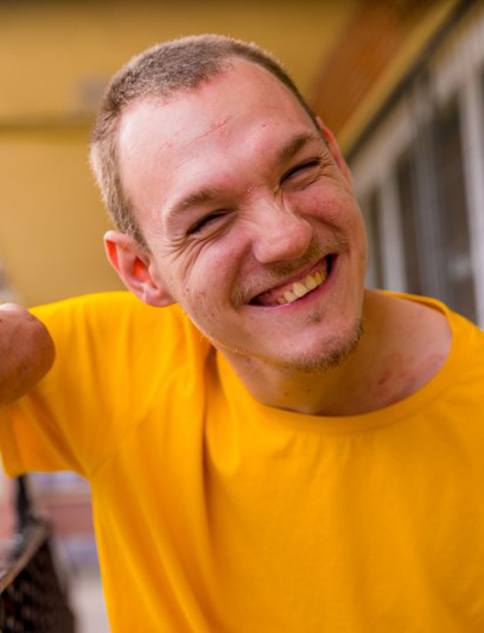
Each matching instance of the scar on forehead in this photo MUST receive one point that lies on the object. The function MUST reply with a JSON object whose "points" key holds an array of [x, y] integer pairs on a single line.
{"points": [[217, 125]]}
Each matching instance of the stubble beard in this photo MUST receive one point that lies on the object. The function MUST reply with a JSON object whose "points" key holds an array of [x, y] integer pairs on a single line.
{"points": [[333, 356]]}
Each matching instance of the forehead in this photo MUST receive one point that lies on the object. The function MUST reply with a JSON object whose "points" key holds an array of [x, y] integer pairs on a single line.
{"points": [[165, 144]]}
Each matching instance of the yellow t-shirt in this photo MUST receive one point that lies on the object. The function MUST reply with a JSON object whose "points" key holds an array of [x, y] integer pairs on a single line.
{"points": [[216, 514]]}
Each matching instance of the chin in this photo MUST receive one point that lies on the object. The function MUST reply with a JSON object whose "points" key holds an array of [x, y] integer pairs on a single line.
{"points": [[331, 354]]}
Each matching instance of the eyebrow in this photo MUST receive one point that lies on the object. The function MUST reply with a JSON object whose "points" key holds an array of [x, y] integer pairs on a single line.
{"points": [[198, 197], [292, 147], [206, 194]]}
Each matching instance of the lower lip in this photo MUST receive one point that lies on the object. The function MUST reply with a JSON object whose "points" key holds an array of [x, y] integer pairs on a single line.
{"points": [[312, 295]]}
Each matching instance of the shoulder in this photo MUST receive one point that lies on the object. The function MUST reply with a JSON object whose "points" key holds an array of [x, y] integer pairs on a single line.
{"points": [[117, 360], [118, 322], [104, 305], [107, 311]]}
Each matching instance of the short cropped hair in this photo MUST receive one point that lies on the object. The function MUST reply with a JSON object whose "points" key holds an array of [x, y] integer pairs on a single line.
{"points": [[160, 71]]}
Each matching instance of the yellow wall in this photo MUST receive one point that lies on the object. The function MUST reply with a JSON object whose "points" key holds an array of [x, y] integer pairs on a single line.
{"points": [[51, 55], [51, 219]]}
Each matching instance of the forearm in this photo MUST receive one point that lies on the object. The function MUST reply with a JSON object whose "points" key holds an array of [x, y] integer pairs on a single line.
{"points": [[26, 352]]}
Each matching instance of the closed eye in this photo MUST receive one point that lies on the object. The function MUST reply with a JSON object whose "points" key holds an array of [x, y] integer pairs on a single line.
{"points": [[308, 165], [205, 221]]}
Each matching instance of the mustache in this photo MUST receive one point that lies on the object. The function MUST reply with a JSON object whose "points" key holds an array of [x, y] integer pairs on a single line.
{"points": [[276, 273]]}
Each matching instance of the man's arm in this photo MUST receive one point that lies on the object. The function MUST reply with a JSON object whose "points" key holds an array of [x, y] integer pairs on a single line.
{"points": [[26, 352]]}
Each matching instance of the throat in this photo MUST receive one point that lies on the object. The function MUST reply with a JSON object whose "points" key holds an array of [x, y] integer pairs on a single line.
{"points": [[403, 347]]}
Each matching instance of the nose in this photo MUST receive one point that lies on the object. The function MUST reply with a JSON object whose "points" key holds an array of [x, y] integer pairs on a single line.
{"points": [[279, 234]]}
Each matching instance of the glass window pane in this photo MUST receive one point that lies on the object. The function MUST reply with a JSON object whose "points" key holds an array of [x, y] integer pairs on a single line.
{"points": [[453, 209], [371, 209], [409, 221]]}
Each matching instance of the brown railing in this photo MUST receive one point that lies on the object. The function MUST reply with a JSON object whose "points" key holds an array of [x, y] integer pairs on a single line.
{"points": [[32, 597]]}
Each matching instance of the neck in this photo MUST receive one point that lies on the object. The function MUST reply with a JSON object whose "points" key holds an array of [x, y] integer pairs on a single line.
{"points": [[402, 347]]}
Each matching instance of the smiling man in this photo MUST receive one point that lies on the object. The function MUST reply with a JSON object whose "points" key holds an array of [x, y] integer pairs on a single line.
{"points": [[276, 449]]}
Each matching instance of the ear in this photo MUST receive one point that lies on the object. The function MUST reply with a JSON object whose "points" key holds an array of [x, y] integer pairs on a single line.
{"points": [[335, 152], [134, 267]]}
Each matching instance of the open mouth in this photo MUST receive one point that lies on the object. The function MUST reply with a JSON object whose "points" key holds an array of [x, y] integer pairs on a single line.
{"points": [[296, 290]]}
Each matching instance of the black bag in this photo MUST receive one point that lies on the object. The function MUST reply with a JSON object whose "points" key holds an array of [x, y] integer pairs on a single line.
{"points": [[32, 597]]}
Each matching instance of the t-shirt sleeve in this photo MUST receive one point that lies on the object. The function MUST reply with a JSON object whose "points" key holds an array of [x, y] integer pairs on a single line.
{"points": [[112, 354]]}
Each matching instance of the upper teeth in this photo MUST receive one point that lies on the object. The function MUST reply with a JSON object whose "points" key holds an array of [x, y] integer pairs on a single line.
{"points": [[301, 288]]}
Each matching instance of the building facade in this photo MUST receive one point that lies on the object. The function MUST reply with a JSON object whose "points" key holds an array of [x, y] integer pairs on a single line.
{"points": [[419, 173]]}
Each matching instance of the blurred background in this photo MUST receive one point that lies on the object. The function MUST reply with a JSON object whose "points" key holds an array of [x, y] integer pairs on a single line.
{"points": [[400, 82]]}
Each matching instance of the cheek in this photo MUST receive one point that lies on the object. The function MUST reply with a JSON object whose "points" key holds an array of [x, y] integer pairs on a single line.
{"points": [[326, 203], [337, 208], [196, 301], [207, 284]]}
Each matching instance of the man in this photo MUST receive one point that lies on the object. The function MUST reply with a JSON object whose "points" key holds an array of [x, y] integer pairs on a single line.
{"points": [[279, 450]]}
